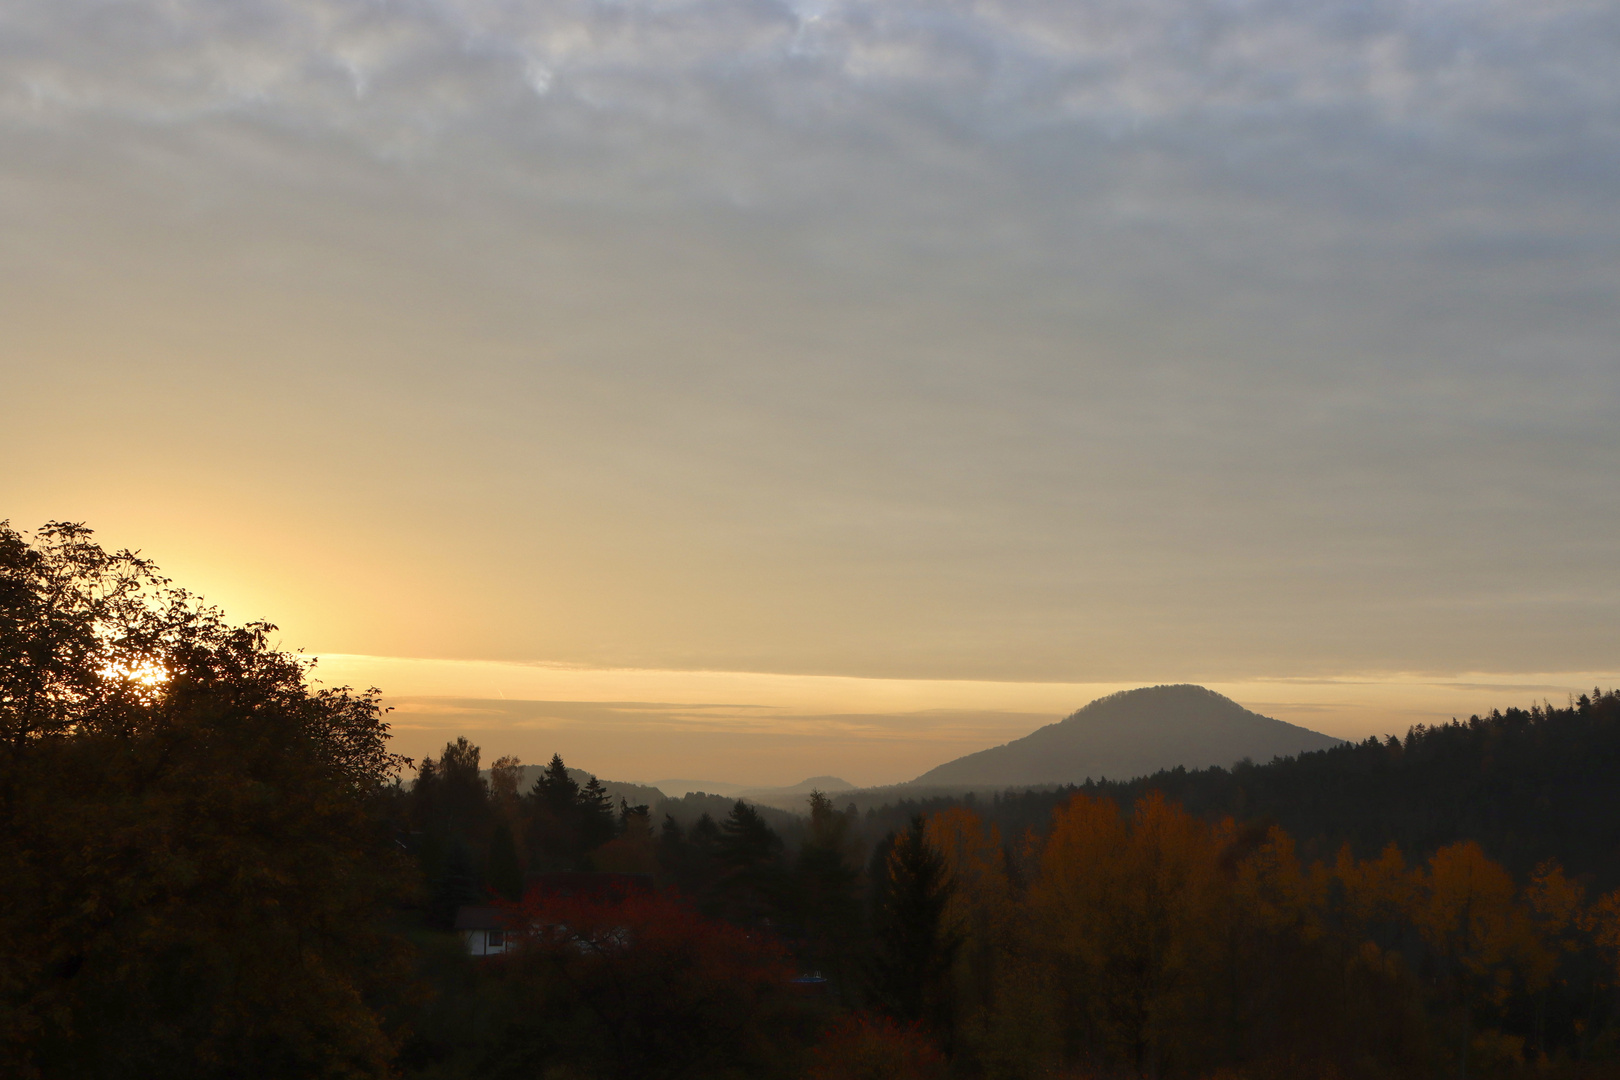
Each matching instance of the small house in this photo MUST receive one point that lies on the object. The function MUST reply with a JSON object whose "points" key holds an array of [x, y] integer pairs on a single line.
{"points": [[483, 929]]}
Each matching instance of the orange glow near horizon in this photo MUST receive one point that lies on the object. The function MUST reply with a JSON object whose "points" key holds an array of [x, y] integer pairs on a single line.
{"points": [[766, 728], [974, 392]]}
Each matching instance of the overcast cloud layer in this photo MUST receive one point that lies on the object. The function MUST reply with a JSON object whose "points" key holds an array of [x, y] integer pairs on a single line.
{"points": [[1087, 340]]}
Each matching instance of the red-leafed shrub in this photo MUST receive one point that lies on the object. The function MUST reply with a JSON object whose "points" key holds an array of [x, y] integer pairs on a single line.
{"points": [[867, 1047], [672, 994]]}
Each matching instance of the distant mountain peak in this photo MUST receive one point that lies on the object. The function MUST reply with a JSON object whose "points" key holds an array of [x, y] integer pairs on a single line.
{"points": [[1132, 733], [1161, 692]]}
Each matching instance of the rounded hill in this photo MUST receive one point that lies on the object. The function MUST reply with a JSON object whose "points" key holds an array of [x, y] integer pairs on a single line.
{"points": [[1132, 733]]}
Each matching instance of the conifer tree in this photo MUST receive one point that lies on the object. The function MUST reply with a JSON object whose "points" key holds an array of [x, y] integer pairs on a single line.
{"points": [[554, 818], [825, 877], [595, 816], [749, 856], [555, 789], [915, 948]]}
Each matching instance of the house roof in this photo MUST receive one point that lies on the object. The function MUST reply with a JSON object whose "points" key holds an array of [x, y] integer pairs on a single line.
{"points": [[480, 918]]}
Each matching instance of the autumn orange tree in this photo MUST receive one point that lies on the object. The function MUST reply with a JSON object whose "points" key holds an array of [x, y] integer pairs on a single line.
{"points": [[1602, 922], [1468, 912], [1155, 944], [1132, 911], [979, 913], [1557, 908]]}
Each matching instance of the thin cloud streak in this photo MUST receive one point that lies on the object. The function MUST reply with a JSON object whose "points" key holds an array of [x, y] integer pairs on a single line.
{"points": [[871, 731]]}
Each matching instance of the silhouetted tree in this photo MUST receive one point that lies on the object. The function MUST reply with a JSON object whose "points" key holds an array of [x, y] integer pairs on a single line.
{"points": [[688, 861], [594, 814], [463, 797], [749, 857], [555, 790], [915, 948], [195, 877], [455, 884], [824, 901]]}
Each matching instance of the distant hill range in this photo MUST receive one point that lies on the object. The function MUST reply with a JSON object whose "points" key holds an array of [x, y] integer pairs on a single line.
{"points": [[694, 793], [633, 794], [793, 797], [1129, 734]]}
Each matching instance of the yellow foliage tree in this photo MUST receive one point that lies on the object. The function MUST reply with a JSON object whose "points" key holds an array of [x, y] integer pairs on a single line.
{"points": [[1468, 913], [1375, 892], [1132, 911], [980, 913], [1277, 892], [1602, 921]]}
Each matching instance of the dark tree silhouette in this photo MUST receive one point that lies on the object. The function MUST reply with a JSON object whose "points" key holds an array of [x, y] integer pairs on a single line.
{"points": [[594, 814], [194, 874], [825, 904], [749, 855], [911, 965]]}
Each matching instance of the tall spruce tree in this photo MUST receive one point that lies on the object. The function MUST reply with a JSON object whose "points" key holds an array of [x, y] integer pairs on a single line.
{"points": [[595, 816], [554, 818], [825, 876], [914, 949], [751, 885]]}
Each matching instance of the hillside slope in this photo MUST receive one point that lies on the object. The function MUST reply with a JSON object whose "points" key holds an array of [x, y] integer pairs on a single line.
{"points": [[1132, 733]]}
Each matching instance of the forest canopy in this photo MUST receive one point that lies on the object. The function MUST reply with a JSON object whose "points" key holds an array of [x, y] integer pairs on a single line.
{"points": [[213, 869]]}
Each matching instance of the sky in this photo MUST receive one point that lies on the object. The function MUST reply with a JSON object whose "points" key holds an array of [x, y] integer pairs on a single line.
{"points": [[751, 390]]}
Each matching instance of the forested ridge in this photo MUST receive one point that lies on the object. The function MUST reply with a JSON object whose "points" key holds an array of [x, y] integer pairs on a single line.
{"points": [[1528, 784], [214, 869]]}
